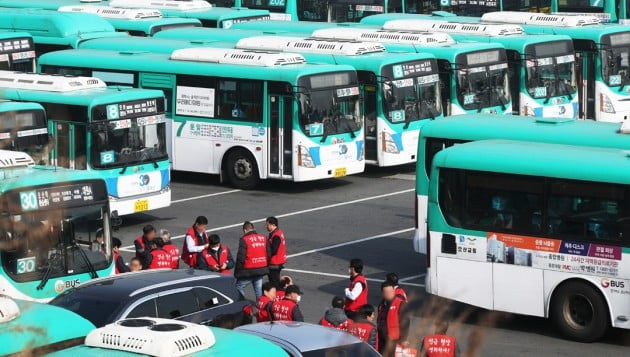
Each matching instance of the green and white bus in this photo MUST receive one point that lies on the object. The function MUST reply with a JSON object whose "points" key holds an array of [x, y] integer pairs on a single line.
{"points": [[52, 30], [17, 52], [438, 135], [23, 128], [246, 115], [49, 222], [539, 230], [118, 132], [474, 76], [400, 91]]}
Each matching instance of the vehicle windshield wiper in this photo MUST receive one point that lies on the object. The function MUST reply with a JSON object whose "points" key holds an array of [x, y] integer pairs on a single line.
{"points": [[54, 261], [149, 159]]}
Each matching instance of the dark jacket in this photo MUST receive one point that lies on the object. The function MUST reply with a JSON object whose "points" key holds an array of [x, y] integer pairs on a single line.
{"points": [[239, 270], [144, 254], [201, 263], [121, 267], [335, 316]]}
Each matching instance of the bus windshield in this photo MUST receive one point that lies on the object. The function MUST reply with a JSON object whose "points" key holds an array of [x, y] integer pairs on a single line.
{"points": [[411, 99], [25, 131], [329, 104], [343, 12], [616, 59], [41, 244], [123, 142], [550, 69], [271, 5], [483, 86]]}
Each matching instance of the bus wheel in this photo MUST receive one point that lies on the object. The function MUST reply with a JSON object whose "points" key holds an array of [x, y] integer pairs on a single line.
{"points": [[579, 312], [241, 170]]}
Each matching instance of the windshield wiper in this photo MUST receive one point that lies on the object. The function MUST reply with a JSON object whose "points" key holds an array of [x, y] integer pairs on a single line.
{"points": [[55, 260]]}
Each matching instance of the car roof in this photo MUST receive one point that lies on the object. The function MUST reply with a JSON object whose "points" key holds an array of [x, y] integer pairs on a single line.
{"points": [[304, 336], [123, 285]]}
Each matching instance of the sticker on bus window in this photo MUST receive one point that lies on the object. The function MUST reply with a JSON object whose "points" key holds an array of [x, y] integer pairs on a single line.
{"points": [[347, 92], [372, 8], [403, 83], [469, 99], [26, 265], [614, 80], [121, 124], [398, 116], [540, 92], [316, 129], [112, 111], [195, 101], [107, 157], [432, 78], [398, 71]]}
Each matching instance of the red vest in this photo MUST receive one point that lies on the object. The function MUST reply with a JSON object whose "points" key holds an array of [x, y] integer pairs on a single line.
{"points": [[393, 324], [223, 258], [256, 256], [283, 310], [400, 292], [362, 299], [140, 241], [174, 253], [363, 329], [439, 346], [261, 305], [161, 259], [279, 295], [342, 326], [191, 258], [116, 255], [281, 256]]}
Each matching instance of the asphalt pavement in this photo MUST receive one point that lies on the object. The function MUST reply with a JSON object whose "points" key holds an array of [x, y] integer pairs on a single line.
{"points": [[369, 216]]}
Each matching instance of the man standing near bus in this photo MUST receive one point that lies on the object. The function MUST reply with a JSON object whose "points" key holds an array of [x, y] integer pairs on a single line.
{"points": [[392, 322], [357, 292], [251, 260], [278, 248], [143, 245], [196, 241]]}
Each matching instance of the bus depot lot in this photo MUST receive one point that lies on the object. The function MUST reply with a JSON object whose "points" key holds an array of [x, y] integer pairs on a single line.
{"points": [[327, 223]]}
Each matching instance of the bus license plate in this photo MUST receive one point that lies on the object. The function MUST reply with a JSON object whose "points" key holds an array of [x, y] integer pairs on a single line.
{"points": [[142, 205], [340, 172]]}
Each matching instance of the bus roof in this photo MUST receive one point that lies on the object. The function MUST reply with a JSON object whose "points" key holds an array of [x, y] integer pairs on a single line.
{"points": [[296, 26], [41, 324], [5, 34], [8, 106], [229, 343], [52, 27], [475, 127], [153, 44], [161, 63], [551, 160], [42, 175], [169, 8]]}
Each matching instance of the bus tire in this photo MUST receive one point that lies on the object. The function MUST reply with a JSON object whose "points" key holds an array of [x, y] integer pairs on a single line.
{"points": [[241, 169], [579, 312]]}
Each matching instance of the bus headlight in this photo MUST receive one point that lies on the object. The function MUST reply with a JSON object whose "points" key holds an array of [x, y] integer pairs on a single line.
{"points": [[389, 145], [305, 159], [605, 104], [529, 111]]}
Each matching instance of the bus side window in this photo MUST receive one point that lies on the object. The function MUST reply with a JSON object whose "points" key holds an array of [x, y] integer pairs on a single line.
{"points": [[240, 100]]}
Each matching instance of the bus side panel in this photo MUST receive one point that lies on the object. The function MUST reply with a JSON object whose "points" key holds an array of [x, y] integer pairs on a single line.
{"points": [[191, 153], [518, 289], [464, 280]]}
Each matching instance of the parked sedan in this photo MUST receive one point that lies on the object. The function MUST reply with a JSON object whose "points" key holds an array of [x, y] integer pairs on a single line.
{"points": [[190, 295], [309, 340]]}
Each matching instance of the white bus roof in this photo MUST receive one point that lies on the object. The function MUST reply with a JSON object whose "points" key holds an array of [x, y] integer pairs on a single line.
{"points": [[113, 12], [13, 159], [495, 30], [384, 36], [309, 45], [47, 82], [527, 18], [236, 56]]}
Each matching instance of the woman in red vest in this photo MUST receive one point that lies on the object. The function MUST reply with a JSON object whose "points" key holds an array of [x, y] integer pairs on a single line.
{"points": [[196, 241], [218, 257]]}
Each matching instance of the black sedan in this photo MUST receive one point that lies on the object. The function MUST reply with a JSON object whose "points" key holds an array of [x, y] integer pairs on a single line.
{"points": [[191, 295]]}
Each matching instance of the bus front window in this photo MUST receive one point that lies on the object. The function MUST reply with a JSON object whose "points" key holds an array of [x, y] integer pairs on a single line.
{"points": [[119, 143], [55, 243], [411, 99], [551, 76], [342, 11], [499, 85], [430, 99], [472, 88], [271, 5], [616, 66], [25, 131]]}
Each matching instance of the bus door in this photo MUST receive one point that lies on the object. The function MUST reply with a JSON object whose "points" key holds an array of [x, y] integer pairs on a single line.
{"points": [[369, 102], [445, 73], [585, 68], [280, 136], [515, 74], [70, 145], [165, 83]]}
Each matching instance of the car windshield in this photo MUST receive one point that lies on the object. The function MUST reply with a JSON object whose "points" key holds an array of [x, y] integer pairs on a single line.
{"points": [[25, 131], [411, 99], [118, 143], [99, 310], [352, 350], [57, 242], [483, 86]]}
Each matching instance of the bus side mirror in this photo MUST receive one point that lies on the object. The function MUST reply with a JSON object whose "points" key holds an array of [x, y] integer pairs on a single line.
{"points": [[116, 221]]}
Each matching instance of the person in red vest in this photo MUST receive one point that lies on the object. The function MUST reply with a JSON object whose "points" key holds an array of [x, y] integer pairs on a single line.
{"points": [[217, 257], [278, 256], [251, 260], [288, 309], [196, 241], [264, 302], [143, 245], [439, 344], [392, 322], [393, 278], [159, 258], [172, 250], [363, 327], [357, 292], [119, 262], [284, 282], [335, 317]]}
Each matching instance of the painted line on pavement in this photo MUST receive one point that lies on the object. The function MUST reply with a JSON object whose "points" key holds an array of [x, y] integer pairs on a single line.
{"points": [[411, 278], [318, 273], [205, 196], [130, 248]]}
